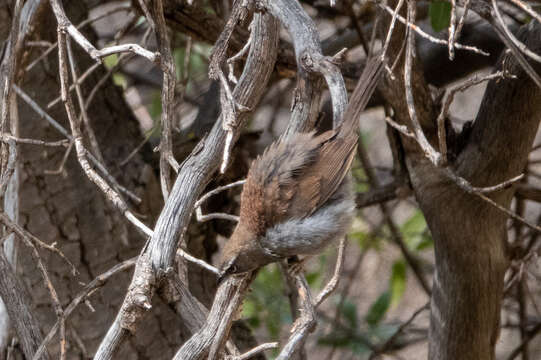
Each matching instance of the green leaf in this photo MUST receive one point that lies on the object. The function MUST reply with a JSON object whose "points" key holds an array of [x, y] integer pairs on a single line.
{"points": [[120, 80], [110, 61], [335, 340], [425, 242], [361, 238], [440, 15], [378, 309], [398, 282], [155, 108], [359, 348], [312, 278], [250, 312], [415, 232], [349, 312], [266, 304]]}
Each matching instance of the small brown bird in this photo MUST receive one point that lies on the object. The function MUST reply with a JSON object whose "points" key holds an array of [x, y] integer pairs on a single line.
{"points": [[298, 197]]}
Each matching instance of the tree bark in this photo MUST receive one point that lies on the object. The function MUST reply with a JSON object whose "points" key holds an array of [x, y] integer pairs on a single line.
{"points": [[68, 209], [470, 234]]}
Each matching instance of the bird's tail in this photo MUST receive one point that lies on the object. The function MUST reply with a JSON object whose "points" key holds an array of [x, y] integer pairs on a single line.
{"points": [[363, 91]]}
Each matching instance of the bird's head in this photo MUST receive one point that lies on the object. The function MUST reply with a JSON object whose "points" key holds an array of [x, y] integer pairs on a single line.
{"points": [[241, 253]]}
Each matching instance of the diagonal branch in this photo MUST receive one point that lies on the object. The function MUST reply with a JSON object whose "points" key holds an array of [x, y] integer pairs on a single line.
{"points": [[198, 168]]}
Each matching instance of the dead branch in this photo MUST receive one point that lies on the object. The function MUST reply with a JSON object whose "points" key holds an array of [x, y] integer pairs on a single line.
{"points": [[198, 168]]}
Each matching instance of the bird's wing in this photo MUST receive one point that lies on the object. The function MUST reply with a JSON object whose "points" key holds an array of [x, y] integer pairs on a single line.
{"points": [[325, 175], [272, 181]]}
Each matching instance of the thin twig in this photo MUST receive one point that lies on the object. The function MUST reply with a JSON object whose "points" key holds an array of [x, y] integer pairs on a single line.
{"points": [[333, 283], [62, 162], [427, 148], [198, 262], [198, 213], [387, 344], [64, 143], [84, 114], [252, 352], [88, 21], [447, 101], [304, 324], [503, 33], [27, 99], [391, 28], [75, 125], [462, 20], [89, 288], [230, 110], [231, 61], [167, 159], [28, 237], [527, 8], [29, 241], [431, 38], [69, 28], [452, 30], [519, 44]]}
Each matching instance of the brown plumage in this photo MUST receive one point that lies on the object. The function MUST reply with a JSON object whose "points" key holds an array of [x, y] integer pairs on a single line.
{"points": [[297, 197]]}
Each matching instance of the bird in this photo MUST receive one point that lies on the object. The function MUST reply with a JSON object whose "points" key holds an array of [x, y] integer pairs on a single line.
{"points": [[298, 196]]}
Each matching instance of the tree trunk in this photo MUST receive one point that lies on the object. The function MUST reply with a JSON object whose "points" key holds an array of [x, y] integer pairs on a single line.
{"points": [[67, 209]]}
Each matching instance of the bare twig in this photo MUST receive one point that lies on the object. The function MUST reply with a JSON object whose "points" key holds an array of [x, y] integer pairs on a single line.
{"points": [[9, 66], [62, 162], [29, 238], [230, 110], [64, 132], [64, 143], [528, 9], [429, 151], [503, 33], [519, 44], [167, 160], [84, 114], [88, 21], [403, 129], [448, 99], [109, 192], [89, 288], [29, 241], [452, 30], [198, 213], [94, 53], [256, 350], [430, 38], [304, 324], [331, 285], [531, 334], [197, 261], [391, 28], [231, 61], [462, 20], [387, 344]]}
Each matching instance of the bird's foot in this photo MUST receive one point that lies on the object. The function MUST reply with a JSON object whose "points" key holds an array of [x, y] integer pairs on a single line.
{"points": [[296, 265]]}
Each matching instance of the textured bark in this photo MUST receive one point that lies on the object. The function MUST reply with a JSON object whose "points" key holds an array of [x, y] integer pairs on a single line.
{"points": [[19, 307], [469, 234], [68, 209]]}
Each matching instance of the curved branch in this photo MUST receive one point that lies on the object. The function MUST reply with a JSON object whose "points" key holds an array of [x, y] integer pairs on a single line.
{"points": [[198, 168]]}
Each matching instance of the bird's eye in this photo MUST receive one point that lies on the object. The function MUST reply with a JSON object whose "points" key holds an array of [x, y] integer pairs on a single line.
{"points": [[233, 269]]}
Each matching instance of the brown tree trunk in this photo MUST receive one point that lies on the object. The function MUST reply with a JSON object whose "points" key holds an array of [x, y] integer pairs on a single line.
{"points": [[469, 233], [67, 209]]}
